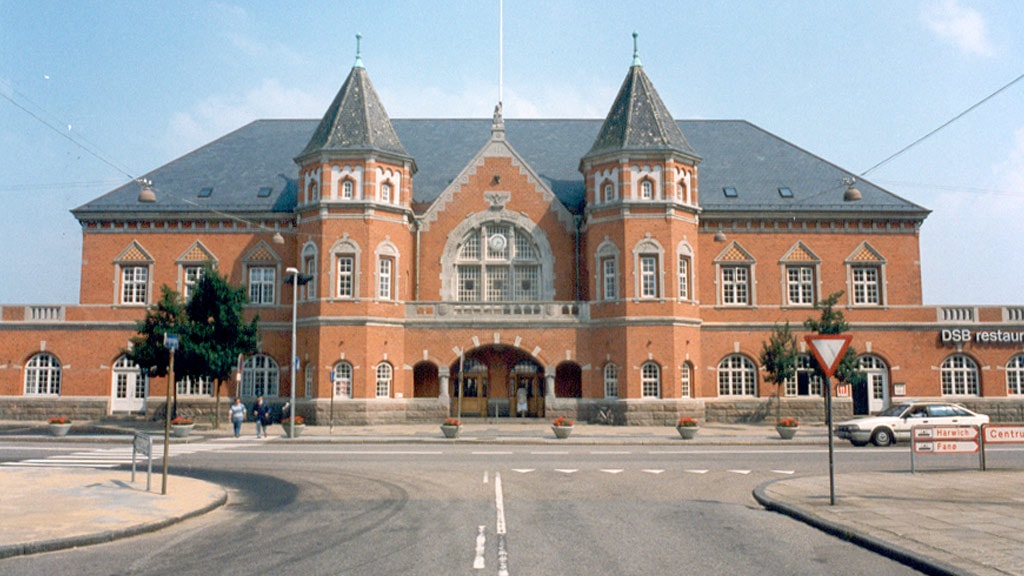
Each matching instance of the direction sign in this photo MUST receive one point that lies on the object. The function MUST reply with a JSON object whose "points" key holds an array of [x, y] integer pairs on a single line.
{"points": [[946, 433], [171, 341], [1003, 434], [828, 349], [946, 447]]}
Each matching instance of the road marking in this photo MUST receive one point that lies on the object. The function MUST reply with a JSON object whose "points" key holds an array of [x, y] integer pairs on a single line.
{"points": [[522, 470], [652, 471], [486, 472], [481, 543], [549, 453], [740, 471], [612, 470], [567, 470], [495, 453], [784, 471], [499, 504], [606, 452], [697, 471]]}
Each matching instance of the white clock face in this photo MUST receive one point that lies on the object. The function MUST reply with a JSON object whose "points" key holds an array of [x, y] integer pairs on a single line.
{"points": [[497, 242]]}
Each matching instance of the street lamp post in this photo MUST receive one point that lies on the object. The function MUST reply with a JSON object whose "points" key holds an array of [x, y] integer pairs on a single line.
{"points": [[295, 302]]}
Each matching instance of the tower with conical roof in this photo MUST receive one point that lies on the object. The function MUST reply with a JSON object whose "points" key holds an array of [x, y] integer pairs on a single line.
{"points": [[640, 235]]}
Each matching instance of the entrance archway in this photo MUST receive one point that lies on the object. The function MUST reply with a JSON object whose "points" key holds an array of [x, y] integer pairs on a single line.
{"points": [[490, 378]]}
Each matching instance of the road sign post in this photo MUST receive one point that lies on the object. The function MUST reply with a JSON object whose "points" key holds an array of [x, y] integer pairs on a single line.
{"points": [[829, 349], [945, 439]]}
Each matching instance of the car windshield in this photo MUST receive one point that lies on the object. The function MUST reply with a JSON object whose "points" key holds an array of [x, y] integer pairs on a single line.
{"points": [[894, 410]]}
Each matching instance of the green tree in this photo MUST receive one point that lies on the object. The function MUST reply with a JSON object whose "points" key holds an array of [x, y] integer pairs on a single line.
{"points": [[778, 357], [832, 321], [147, 348]]}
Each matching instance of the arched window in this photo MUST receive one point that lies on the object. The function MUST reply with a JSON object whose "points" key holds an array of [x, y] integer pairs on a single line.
{"points": [[611, 381], [342, 380], [498, 262], [805, 381], [347, 190], [737, 376], [646, 189], [685, 388], [1015, 375], [309, 267], [609, 192], [260, 377], [384, 375], [385, 192], [959, 375], [42, 375], [312, 192], [650, 380]]}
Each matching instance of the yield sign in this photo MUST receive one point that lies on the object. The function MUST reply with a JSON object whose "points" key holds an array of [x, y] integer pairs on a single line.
{"points": [[828, 349]]}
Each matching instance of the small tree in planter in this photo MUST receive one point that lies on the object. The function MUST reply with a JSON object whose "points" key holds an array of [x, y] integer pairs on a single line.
{"points": [[832, 321], [778, 357]]}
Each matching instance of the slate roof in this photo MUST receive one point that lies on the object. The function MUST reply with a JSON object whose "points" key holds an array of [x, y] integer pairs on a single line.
{"points": [[734, 154], [639, 121]]}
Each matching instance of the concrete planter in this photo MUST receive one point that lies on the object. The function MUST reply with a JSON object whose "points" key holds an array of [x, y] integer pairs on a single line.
{"points": [[451, 431], [181, 430], [688, 432], [59, 430], [562, 432], [787, 432]]}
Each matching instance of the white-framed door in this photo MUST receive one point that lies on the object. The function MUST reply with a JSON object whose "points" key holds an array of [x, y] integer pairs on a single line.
{"points": [[877, 381], [129, 388]]}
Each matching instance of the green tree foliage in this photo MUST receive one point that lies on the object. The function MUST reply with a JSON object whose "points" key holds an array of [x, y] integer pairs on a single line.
{"points": [[211, 328], [778, 357]]}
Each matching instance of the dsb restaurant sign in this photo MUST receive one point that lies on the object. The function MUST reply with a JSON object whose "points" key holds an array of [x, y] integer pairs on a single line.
{"points": [[963, 335]]}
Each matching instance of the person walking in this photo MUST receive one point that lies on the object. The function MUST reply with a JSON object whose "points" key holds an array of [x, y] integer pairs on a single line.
{"points": [[237, 415], [261, 414]]}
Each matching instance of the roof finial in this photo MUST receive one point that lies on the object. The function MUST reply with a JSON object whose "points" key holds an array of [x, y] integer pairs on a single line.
{"points": [[636, 51], [359, 51]]}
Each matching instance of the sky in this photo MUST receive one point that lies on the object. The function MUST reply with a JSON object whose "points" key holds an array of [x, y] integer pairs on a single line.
{"points": [[96, 93]]}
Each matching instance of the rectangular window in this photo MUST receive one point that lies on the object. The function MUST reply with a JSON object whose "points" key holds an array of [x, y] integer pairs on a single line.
{"points": [[800, 285], [609, 279], [866, 285], [497, 284], [648, 276], [346, 271], [526, 283], [469, 284], [684, 278], [735, 285], [262, 280], [134, 284], [309, 265], [192, 274], [384, 287]]}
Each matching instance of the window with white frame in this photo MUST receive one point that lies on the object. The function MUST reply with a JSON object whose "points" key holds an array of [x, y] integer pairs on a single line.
{"points": [[735, 285], [260, 376], [611, 381], [609, 192], [646, 189], [384, 376], [134, 284], [609, 278], [1015, 376], [385, 192], [866, 285], [685, 375], [385, 267], [800, 285], [737, 376], [650, 380], [683, 276], [959, 376], [312, 192], [262, 284], [805, 382], [347, 190], [498, 262], [648, 276], [43, 375], [342, 380], [190, 277], [346, 275], [309, 268], [189, 386]]}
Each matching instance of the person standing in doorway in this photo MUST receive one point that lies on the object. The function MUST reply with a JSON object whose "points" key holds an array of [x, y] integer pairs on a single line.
{"points": [[261, 414], [237, 415], [521, 401]]}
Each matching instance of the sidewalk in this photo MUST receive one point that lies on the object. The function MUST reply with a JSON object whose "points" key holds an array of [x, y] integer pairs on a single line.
{"points": [[962, 522]]}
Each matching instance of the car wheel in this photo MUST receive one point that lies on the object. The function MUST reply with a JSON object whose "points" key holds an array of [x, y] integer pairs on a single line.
{"points": [[882, 437], [858, 444]]}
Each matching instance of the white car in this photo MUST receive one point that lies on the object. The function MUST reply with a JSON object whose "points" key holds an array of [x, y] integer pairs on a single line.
{"points": [[895, 422]]}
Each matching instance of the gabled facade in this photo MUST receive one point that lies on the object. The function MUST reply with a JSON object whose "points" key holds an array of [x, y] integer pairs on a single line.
{"points": [[628, 268]]}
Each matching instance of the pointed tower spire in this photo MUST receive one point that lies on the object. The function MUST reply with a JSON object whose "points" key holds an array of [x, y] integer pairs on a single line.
{"points": [[638, 120], [359, 51], [356, 120]]}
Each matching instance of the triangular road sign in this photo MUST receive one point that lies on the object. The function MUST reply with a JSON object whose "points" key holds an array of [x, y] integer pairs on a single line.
{"points": [[828, 349]]}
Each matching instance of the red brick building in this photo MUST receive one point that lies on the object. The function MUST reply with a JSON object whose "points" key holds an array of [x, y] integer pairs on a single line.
{"points": [[631, 266]]}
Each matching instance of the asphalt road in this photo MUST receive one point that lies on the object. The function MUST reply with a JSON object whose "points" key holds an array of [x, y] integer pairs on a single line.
{"points": [[485, 510]]}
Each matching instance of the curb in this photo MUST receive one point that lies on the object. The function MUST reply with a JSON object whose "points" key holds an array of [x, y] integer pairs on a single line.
{"points": [[915, 560], [29, 548]]}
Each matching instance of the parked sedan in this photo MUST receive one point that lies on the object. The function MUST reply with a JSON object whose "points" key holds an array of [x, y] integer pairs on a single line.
{"points": [[895, 422]]}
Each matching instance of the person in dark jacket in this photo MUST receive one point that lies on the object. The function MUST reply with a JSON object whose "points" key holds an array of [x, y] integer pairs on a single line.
{"points": [[261, 414]]}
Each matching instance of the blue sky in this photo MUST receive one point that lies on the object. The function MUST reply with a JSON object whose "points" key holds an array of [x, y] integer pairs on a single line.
{"points": [[141, 83]]}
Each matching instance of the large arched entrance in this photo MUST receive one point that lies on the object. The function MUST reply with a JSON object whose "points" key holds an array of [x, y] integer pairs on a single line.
{"points": [[490, 377]]}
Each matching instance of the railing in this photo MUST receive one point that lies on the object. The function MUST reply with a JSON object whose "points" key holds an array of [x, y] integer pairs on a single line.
{"points": [[33, 313], [1013, 314], [958, 314], [504, 311]]}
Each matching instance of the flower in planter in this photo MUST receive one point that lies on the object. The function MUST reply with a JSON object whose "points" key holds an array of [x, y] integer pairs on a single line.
{"points": [[452, 422], [561, 421], [182, 421], [687, 422], [788, 423], [299, 421], [59, 420]]}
